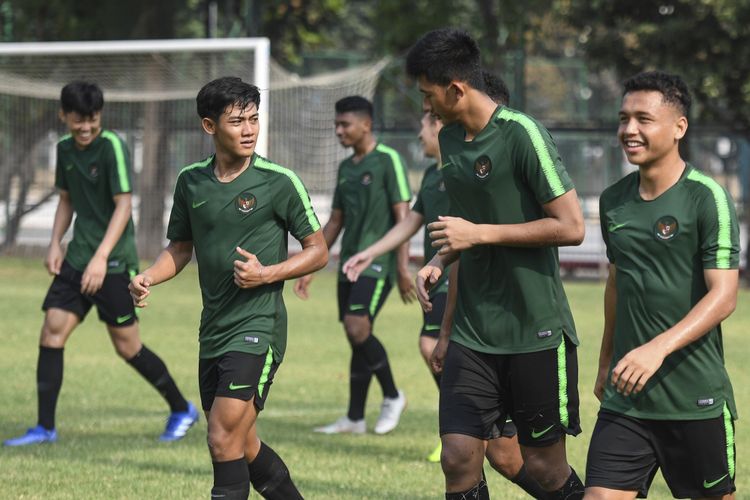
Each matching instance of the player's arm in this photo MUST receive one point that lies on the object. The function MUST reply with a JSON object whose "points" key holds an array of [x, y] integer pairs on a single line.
{"points": [[430, 274], [63, 217], [607, 347], [397, 235], [405, 284], [167, 265], [250, 273], [441, 348], [96, 270], [331, 232], [636, 368], [562, 226]]}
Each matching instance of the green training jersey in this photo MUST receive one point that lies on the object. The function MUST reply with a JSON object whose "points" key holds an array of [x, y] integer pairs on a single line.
{"points": [[255, 212], [366, 192], [92, 177], [660, 249], [432, 201], [510, 299]]}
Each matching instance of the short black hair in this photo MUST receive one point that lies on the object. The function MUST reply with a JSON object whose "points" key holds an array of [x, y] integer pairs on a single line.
{"points": [[495, 87], [446, 54], [672, 87], [354, 104], [217, 94], [84, 98]]}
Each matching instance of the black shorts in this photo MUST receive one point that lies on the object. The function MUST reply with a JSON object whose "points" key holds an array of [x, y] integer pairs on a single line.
{"points": [[364, 297], [538, 391], [237, 375], [431, 320], [696, 457], [113, 301]]}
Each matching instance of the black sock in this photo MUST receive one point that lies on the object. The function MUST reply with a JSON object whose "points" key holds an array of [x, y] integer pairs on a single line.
{"points": [[572, 489], [437, 377], [49, 375], [377, 359], [231, 480], [478, 492], [155, 371], [359, 383], [270, 476], [528, 484]]}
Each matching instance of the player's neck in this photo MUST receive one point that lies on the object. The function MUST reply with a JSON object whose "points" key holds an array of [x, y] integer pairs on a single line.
{"points": [[478, 113], [659, 176], [364, 147], [228, 167]]}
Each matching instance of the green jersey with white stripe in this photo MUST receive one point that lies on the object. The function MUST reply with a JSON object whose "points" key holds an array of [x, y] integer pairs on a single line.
{"points": [[92, 177], [510, 299], [660, 249], [255, 211], [366, 192]]}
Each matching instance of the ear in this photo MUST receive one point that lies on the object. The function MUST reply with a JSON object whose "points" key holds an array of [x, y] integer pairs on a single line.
{"points": [[61, 115], [209, 126], [681, 128], [458, 89]]}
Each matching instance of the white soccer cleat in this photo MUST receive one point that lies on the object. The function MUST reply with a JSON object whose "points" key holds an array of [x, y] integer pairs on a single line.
{"points": [[343, 426], [390, 413]]}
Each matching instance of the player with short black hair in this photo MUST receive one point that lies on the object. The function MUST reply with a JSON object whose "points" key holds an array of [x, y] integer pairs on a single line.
{"points": [[236, 209], [508, 345], [672, 241], [93, 178], [372, 194]]}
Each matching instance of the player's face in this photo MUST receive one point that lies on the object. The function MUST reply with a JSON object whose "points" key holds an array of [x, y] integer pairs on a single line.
{"points": [[236, 132], [351, 128], [428, 134], [437, 98], [650, 128], [83, 129]]}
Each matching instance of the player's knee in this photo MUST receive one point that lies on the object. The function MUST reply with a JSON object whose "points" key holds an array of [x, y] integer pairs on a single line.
{"points": [[357, 329], [54, 334], [456, 460], [506, 465], [219, 443], [547, 474]]}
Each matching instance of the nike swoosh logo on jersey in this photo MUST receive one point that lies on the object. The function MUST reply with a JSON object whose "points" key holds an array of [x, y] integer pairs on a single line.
{"points": [[122, 319], [199, 204], [614, 227], [537, 435], [233, 387], [711, 484]]}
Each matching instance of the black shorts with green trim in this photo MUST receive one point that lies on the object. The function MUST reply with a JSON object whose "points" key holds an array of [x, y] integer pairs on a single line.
{"points": [[538, 391], [431, 320], [113, 302], [696, 457], [237, 375], [364, 297]]}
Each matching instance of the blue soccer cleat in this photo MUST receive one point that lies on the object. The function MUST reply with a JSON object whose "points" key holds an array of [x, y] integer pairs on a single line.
{"points": [[35, 435], [179, 422]]}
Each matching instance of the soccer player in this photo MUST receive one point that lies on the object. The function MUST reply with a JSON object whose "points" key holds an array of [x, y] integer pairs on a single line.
{"points": [[511, 349], [235, 209], [372, 194], [672, 242], [94, 183]]}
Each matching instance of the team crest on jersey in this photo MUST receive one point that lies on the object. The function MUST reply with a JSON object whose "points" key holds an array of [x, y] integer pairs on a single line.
{"points": [[482, 167], [93, 170], [246, 202], [366, 179], [666, 228]]}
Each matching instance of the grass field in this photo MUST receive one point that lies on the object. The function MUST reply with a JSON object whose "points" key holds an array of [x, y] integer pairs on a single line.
{"points": [[108, 418]]}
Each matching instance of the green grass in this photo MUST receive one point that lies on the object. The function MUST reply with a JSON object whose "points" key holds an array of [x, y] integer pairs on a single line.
{"points": [[108, 418]]}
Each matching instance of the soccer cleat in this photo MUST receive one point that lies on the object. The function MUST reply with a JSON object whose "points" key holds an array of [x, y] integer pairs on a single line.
{"points": [[35, 435], [179, 422], [390, 413], [434, 457], [343, 425]]}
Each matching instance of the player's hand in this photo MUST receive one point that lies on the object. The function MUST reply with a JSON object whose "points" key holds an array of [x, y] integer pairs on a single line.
{"points": [[452, 234], [601, 381], [634, 370], [406, 287], [93, 275], [438, 354], [426, 279], [53, 261], [356, 264], [248, 273], [139, 289], [301, 286]]}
